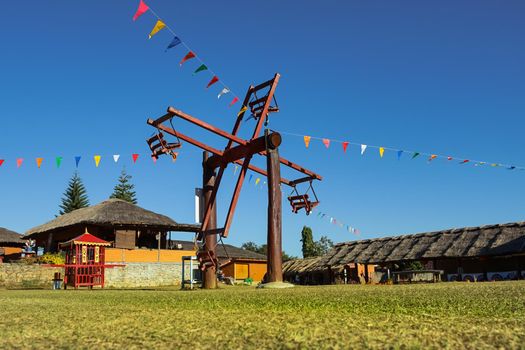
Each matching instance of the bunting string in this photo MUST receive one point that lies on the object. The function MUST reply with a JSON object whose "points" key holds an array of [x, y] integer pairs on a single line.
{"points": [[400, 152], [160, 25]]}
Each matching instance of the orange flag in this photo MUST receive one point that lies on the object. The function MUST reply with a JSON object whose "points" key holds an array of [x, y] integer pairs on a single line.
{"points": [[306, 141], [326, 142], [39, 162], [19, 162]]}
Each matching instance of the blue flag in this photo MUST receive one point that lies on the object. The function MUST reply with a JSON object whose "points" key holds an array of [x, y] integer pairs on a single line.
{"points": [[250, 179], [176, 41], [77, 160], [399, 153]]}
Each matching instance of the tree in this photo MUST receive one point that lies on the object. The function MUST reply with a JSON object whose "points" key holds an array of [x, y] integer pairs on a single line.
{"points": [[75, 196], [124, 189], [323, 245], [309, 248]]}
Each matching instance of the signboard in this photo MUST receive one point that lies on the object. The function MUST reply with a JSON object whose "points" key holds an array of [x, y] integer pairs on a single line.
{"points": [[199, 205]]}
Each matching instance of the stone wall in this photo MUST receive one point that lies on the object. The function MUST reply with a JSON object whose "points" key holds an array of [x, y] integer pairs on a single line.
{"points": [[132, 275], [21, 275]]}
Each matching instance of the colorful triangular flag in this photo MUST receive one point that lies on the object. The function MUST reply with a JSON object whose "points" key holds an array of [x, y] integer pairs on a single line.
{"points": [[176, 41], [58, 161], [415, 155], [464, 161], [135, 156], [116, 157], [235, 169], [97, 160], [363, 149], [345, 145], [77, 160], [1, 162], [158, 27], [432, 157], [212, 81], [223, 92], [449, 158], [257, 180], [141, 10], [19, 162], [39, 162], [243, 109], [234, 101], [326, 143], [201, 68], [188, 56], [306, 140], [381, 151], [250, 179], [399, 154]]}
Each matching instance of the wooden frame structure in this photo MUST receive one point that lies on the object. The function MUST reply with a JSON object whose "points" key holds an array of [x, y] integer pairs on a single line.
{"points": [[260, 101]]}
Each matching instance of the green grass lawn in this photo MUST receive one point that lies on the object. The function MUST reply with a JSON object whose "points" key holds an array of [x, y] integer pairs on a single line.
{"points": [[445, 315]]}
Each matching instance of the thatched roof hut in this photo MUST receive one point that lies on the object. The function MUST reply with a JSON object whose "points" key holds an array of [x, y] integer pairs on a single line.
{"points": [[113, 213], [470, 242], [224, 252], [112, 219], [10, 238], [301, 266]]}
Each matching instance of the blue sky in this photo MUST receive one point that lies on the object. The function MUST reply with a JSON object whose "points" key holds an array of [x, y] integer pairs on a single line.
{"points": [[81, 78]]}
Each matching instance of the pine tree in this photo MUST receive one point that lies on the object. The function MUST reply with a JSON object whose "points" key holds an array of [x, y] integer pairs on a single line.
{"points": [[309, 248], [124, 189], [75, 196]]}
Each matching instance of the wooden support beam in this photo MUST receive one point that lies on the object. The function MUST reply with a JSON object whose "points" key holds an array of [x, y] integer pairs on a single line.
{"points": [[210, 241]]}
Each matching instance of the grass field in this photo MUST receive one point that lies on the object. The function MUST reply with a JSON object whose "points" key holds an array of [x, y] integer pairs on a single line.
{"points": [[446, 315]]}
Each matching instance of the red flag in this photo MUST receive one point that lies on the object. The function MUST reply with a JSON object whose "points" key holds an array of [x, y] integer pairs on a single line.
{"points": [[212, 81], [345, 144], [449, 158], [188, 56], [1, 162], [234, 101], [465, 161], [19, 162], [326, 142], [141, 10], [135, 157], [154, 160]]}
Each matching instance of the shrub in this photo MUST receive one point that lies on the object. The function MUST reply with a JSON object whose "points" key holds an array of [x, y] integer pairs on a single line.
{"points": [[52, 258]]}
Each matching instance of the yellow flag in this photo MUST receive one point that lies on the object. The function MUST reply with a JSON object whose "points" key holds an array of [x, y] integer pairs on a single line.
{"points": [[158, 27], [306, 141], [39, 162], [97, 160], [257, 180], [381, 151], [243, 109]]}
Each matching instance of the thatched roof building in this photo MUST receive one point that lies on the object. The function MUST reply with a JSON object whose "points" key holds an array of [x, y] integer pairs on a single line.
{"points": [[224, 252], [10, 238], [106, 220], [469, 242]]}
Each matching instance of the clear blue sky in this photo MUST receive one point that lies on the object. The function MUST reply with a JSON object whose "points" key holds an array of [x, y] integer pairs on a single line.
{"points": [[446, 77]]}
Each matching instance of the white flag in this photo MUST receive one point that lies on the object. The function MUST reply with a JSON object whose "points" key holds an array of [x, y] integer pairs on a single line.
{"points": [[363, 149], [116, 157], [223, 92]]}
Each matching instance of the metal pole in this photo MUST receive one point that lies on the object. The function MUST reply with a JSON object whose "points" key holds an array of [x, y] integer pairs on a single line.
{"points": [[275, 258], [210, 241]]}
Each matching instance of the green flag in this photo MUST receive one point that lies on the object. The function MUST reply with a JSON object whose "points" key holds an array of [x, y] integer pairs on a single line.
{"points": [[415, 155], [200, 69], [59, 161]]}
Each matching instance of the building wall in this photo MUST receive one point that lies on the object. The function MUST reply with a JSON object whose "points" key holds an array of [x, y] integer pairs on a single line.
{"points": [[237, 270], [118, 255], [11, 253], [132, 275]]}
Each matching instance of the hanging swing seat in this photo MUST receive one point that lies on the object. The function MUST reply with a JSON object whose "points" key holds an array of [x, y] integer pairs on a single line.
{"points": [[302, 201], [159, 146]]}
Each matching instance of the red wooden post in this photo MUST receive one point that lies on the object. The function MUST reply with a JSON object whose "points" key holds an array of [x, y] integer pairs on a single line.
{"points": [[275, 257], [210, 241]]}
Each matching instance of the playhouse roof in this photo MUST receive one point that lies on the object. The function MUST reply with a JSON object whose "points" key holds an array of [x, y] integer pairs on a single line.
{"points": [[112, 213], [86, 239], [8, 236]]}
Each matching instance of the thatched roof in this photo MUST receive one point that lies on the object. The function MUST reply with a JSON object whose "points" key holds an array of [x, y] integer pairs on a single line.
{"points": [[10, 237], [223, 252], [490, 240], [113, 213], [302, 265]]}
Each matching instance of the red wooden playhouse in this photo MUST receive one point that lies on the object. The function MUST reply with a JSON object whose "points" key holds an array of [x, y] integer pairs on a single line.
{"points": [[84, 265]]}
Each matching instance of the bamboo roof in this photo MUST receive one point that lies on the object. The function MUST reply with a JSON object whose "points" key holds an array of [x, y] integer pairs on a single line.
{"points": [[112, 213]]}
